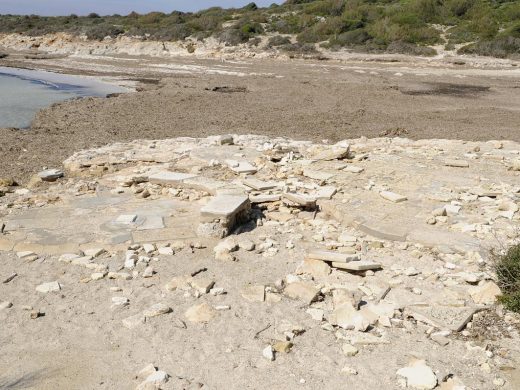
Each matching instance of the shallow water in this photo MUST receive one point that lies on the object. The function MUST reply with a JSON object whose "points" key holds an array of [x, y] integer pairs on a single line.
{"points": [[24, 92]]}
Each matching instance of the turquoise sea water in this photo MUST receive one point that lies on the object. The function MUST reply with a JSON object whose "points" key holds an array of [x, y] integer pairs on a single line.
{"points": [[24, 92]]}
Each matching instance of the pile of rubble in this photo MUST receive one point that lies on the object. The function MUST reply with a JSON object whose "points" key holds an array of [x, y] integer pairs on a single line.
{"points": [[382, 235]]}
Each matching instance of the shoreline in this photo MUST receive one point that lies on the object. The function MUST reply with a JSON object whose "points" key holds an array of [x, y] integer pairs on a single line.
{"points": [[302, 99]]}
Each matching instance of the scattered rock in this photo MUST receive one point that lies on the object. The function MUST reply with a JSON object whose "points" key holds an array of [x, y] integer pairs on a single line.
{"points": [[418, 375]]}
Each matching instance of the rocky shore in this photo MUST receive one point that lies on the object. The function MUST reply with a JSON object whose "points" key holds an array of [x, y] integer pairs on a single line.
{"points": [[224, 261]]}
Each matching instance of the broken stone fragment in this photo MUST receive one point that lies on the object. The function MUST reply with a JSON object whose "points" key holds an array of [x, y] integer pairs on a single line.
{"points": [[486, 293], [327, 153], [27, 255], [156, 380], [332, 256], [10, 277], [301, 200], [357, 266], [5, 305], [202, 284], [418, 375], [134, 321], [166, 251], [268, 353], [50, 175], [392, 196], [316, 314], [347, 317], [200, 313], [456, 163], [255, 293], [178, 282], [349, 370], [315, 268], [156, 310], [48, 287], [349, 350], [303, 291]]}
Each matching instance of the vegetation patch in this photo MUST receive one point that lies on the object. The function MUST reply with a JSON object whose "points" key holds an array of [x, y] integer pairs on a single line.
{"points": [[507, 268], [485, 27]]}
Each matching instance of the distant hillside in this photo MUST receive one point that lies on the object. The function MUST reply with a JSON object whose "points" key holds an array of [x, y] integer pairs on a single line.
{"points": [[485, 27]]}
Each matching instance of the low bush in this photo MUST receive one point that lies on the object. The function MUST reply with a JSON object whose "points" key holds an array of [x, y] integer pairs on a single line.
{"points": [[501, 47], [507, 268], [410, 48], [278, 40]]}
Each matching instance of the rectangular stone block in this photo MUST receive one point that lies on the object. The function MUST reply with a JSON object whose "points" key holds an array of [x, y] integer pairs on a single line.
{"points": [[224, 206]]}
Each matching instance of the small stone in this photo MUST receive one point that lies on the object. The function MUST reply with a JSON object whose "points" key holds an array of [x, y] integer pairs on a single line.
{"points": [[202, 284], [499, 382], [393, 197], [126, 219], [282, 346], [146, 372], [253, 293], [155, 379], [246, 245], [456, 163], [441, 340], [27, 255], [50, 175], [200, 313], [5, 305], [349, 350], [48, 287], [97, 275], [418, 375], [10, 277], [120, 301], [148, 272], [486, 293], [94, 252], [349, 371], [362, 265], [316, 314], [133, 321], [303, 291], [156, 310], [268, 353], [315, 268], [36, 314], [166, 250], [149, 248]]}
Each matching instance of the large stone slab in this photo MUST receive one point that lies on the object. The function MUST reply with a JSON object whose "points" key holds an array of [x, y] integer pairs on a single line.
{"points": [[224, 206]]}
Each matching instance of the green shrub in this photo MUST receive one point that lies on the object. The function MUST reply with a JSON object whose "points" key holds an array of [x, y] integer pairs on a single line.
{"points": [[507, 268], [502, 47], [410, 48], [101, 31], [278, 40], [351, 38]]}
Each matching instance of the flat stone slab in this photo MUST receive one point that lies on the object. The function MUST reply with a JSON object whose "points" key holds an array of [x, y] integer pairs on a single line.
{"points": [[362, 265], [332, 256], [392, 196], [50, 174], [443, 317], [224, 206], [168, 177], [258, 185]]}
